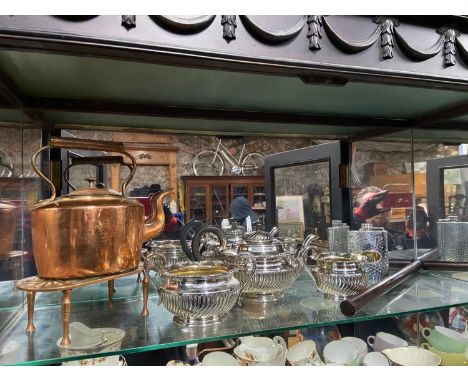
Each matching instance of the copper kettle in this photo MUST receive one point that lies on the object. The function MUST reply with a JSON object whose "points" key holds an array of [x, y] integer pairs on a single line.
{"points": [[93, 231]]}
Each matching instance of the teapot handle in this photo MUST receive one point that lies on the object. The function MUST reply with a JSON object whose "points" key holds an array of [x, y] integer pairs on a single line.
{"points": [[83, 144], [197, 240], [273, 233], [301, 258], [245, 263]]}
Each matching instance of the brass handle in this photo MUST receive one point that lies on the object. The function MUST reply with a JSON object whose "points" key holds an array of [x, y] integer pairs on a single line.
{"points": [[93, 161], [83, 144]]}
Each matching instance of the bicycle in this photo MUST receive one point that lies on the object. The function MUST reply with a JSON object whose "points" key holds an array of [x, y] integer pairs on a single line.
{"points": [[211, 163]]}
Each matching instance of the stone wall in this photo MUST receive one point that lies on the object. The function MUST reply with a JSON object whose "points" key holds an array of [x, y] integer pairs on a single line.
{"points": [[189, 146]]}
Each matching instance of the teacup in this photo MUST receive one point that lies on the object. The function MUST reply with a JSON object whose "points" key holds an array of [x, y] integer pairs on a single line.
{"points": [[382, 341], [219, 358], [360, 344], [411, 356], [113, 360], [304, 354], [342, 352], [448, 359], [375, 358], [446, 340], [260, 349], [176, 362]]}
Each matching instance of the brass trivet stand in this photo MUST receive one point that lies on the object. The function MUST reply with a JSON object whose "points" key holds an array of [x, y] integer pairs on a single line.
{"points": [[34, 284]]}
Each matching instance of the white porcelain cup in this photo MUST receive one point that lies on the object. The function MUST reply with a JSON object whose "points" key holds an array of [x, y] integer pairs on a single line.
{"points": [[361, 346], [412, 356], [375, 358], [382, 341], [219, 358], [304, 354], [113, 360], [342, 352], [261, 348]]}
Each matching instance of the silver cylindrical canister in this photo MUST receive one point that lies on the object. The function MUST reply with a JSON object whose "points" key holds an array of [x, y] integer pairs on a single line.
{"points": [[452, 238], [369, 238], [338, 236]]}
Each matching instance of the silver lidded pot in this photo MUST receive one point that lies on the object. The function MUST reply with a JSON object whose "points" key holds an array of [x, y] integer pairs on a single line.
{"points": [[171, 250], [200, 294], [235, 232], [339, 275]]}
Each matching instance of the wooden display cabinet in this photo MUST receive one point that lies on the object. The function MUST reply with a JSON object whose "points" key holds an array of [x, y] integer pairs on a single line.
{"points": [[208, 198]]}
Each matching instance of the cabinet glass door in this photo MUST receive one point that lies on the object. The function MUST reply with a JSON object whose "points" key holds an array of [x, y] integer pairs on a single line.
{"points": [[219, 204], [198, 196], [259, 201]]}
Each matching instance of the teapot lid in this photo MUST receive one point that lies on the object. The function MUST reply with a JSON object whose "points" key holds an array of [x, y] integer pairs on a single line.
{"points": [[234, 229], [259, 236]]}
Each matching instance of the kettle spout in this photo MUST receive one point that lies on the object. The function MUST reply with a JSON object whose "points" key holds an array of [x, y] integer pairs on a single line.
{"points": [[154, 224]]}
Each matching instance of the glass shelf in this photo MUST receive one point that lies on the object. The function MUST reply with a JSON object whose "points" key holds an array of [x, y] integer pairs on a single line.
{"points": [[303, 306]]}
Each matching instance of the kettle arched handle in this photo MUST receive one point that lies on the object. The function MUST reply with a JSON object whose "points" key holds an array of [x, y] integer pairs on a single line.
{"points": [[93, 161], [82, 144]]}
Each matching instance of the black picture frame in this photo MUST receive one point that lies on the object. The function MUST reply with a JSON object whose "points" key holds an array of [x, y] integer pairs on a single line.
{"points": [[435, 187], [337, 154]]}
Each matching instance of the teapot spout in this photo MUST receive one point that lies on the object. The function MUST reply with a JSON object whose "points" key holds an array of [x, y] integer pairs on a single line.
{"points": [[154, 224]]}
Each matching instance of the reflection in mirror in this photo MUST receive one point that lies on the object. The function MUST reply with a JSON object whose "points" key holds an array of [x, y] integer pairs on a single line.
{"points": [[456, 192], [382, 192], [447, 190], [303, 199], [19, 191]]}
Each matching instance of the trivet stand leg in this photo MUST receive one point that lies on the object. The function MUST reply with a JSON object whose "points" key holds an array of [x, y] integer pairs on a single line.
{"points": [[145, 283], [110, 292], [66, 307], [31, 297]]}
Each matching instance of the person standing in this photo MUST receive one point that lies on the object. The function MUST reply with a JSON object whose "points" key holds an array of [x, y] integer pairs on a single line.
{"points": [[240, 210]]}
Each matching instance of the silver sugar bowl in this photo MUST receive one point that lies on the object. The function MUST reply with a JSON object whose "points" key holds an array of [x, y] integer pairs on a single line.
{"points": [[200, 294]]}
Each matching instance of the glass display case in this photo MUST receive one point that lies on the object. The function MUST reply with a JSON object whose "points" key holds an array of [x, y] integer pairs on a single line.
{"points": [[304, 308], [394, 169]]}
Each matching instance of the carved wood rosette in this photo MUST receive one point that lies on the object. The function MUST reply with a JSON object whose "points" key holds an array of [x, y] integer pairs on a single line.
{"points": [[229, 27]]}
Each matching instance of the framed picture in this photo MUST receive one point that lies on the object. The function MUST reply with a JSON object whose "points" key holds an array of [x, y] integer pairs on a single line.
{"points": [[290, 209], [292, 230]]}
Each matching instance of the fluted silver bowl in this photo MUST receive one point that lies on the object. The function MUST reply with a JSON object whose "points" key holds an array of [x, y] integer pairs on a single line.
{"points": [[339, 286], [339, 276], [270, 280], [201, 293]]}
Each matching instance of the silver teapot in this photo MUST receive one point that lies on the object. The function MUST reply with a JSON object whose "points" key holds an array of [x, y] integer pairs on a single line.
{"points": [[277, 265]]}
